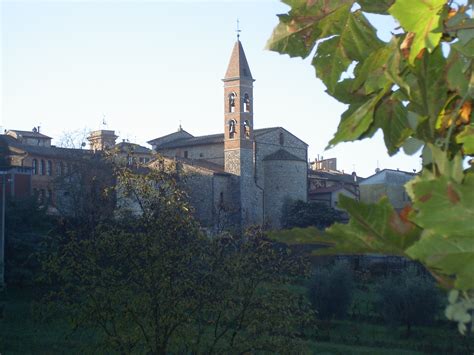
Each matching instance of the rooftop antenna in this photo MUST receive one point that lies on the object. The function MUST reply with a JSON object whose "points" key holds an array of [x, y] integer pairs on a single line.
{"points": [[180, 128], [104, 123], [238, 30]]}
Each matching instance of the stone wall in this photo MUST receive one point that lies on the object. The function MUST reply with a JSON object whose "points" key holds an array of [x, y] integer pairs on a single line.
{"points": [[284, 180], [210, 152], [269, 143], [374, 192]]}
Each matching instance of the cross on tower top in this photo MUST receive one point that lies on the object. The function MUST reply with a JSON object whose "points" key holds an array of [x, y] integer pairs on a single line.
{"points": [[238, 30]]}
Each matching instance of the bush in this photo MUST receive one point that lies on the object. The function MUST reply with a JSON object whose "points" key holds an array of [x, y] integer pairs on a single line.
{"points": [[408, 299], [26, 229], [305, 214], [331, 291]]}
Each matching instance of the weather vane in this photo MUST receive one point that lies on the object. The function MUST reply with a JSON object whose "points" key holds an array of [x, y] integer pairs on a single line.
{"points": [[238, 30]]}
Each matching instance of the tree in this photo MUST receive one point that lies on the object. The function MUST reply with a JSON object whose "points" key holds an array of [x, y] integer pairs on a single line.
{"points": [[84, 189], [408, 299], [331, 290], [74, 139], [304, 214], [418, 89], [149, 281], [27, 228]]}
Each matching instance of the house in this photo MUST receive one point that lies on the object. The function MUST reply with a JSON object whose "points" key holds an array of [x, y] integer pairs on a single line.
{"points": [[387, 182], [326, 183]]}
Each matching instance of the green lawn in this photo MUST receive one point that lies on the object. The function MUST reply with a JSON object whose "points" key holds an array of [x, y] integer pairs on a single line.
{"points": [[22, 333]]}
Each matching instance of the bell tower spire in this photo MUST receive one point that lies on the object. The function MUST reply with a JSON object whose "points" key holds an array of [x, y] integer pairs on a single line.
{"points": [[238, 112]]}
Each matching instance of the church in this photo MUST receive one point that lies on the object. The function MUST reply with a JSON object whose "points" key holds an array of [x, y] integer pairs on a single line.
{"points": [[244, 176], [235, 179]]}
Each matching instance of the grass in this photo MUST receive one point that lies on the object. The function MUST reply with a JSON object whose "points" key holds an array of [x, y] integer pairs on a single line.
{"points": [[22, 333]]}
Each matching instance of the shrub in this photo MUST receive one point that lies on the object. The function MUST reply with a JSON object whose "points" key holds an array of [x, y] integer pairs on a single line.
{"points": [[305, 214], [26, 227], [331, 291], [408, 299]]}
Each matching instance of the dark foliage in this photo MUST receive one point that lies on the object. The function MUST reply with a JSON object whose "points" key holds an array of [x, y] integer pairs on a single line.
{"points": [[410, 298], [305, 214], [149, 281], [331, 291], [26, 228]]}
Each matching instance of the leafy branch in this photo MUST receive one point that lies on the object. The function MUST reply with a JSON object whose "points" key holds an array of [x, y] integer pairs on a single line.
{"points": [[418, 88]]}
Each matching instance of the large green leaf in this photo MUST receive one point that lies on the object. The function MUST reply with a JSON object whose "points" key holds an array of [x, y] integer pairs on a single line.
{"points": [[429, 91], [357, 121], [376, 7], [448, 256], [354, 39], [443, 205], [330, 62], [371, 72], [297, 31], [458, 72], [423, 17], [466, 138], [392, 117], [373, 228]]}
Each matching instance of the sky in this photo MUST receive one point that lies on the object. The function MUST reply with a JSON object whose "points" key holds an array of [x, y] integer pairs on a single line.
{"points": [[146, 67]]}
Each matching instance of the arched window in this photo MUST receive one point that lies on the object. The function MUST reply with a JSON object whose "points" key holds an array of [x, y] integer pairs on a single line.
{"points": [[247, 129], [49, 168], [35, 166], [246, 103], [42, 168], [282, 138], [232, 97], [59, 168], [232, 128]]}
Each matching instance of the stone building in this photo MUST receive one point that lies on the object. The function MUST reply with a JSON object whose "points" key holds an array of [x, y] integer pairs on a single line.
{"points": [[326, 183], [235, 179], [36, 166], [387, 182], [243, 175]]}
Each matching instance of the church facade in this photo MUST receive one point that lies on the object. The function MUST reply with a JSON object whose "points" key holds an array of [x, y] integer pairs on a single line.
{"points": [[244, 176]]}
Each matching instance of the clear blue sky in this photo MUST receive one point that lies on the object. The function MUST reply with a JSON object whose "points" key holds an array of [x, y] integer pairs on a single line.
{"points": [[149, 65]]}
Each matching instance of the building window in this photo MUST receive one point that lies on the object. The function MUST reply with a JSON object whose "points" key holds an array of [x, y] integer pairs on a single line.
{"points": [[232, 96], [247, 129], [49, 168], [42, 168], [232, 128], [35, 166], [246, 103], [201, 155], [59, 168], [185, 153], [282, 138]]}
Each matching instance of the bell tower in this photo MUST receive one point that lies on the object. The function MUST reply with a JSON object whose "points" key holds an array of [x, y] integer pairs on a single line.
{"points": [[239, 136], [238, 114]]}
